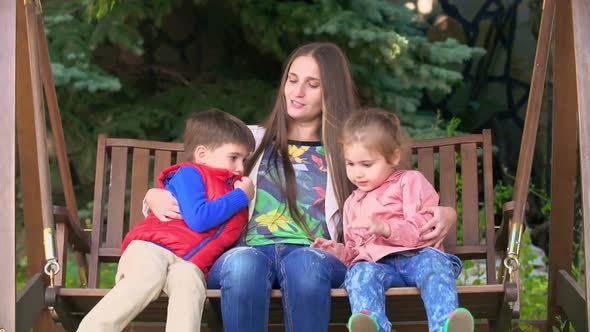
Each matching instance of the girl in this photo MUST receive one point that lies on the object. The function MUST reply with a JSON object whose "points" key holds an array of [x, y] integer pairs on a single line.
{"points": [[382, 222]]}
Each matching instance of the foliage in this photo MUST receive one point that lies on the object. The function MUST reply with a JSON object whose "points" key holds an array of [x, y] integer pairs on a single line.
{"points": [[534, 299], [563, 325], [99, 8], [393, 61], [71, 40]]}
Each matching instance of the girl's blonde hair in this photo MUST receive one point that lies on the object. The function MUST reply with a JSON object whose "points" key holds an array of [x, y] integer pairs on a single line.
{"points": [[377, 130]]}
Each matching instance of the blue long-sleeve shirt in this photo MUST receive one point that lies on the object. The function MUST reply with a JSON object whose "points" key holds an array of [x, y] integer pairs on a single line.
{"points": [[200, 214]]}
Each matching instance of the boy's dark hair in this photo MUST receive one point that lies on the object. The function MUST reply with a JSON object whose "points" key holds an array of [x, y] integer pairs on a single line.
{"points": [[212, 129]]}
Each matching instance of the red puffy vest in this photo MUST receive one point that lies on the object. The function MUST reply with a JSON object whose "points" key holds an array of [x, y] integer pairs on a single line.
{"points": [[204, 248]]}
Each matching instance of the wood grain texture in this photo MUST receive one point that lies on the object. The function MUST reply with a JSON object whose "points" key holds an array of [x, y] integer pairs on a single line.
{"points": [[564, 153], [529, 134], [7, 164], [581, 13]]}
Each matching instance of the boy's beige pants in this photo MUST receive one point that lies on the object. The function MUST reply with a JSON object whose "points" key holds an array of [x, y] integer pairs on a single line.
{"points": [[145, 270]]}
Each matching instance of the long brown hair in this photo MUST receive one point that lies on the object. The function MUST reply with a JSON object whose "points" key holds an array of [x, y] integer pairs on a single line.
{"points": [[339, 101]]}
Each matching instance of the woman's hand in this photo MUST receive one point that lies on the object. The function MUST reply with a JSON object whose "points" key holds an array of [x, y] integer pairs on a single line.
{"points": [[435, 231], [162, 204]]}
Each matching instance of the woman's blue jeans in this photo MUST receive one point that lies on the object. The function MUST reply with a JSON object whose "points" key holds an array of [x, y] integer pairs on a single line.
{"points": [[431, 270], [305, 276]]}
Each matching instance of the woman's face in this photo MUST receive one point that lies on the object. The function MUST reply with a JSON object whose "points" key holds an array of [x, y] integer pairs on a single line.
{"points": [[303, 90]]}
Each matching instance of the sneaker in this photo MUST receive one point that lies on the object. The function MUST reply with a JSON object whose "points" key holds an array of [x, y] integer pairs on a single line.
{"points": [[460, 320], [363, 322]]}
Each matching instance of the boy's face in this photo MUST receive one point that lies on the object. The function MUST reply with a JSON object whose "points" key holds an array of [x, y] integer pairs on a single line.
{"points": [[228, 156]]}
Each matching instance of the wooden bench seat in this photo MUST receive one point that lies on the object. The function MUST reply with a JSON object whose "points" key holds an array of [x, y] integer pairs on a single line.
{"points": [[126, 168], [481, 300]]}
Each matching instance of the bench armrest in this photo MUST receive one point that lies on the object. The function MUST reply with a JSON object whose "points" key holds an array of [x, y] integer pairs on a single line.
{"points": [[502, 233], [78, 238]]}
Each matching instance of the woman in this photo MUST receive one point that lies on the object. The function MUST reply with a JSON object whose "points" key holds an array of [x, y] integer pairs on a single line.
{"points": [[301, 185]]}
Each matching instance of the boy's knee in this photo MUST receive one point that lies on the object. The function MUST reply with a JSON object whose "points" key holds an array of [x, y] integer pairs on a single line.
{"points": [[186, 275]]}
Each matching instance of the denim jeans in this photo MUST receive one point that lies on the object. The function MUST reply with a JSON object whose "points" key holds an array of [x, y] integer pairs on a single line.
{"points": [[305, 276], [431, 270]]}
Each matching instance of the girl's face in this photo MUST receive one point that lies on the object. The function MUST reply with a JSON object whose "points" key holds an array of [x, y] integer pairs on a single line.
{"points": [[367, 168], [303, 90]]}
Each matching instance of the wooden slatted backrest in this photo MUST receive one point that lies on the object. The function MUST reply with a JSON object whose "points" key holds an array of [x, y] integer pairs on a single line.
{"points": [[125, 170], [468, 158]]}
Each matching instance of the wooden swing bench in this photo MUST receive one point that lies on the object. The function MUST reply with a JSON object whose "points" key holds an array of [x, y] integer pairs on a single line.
{"points": [[126, 168]]}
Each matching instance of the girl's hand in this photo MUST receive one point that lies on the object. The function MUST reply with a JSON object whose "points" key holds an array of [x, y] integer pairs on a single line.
{"points": [[328, 246], [373, 227], [435, 231], [162, 204], [321, 243]]}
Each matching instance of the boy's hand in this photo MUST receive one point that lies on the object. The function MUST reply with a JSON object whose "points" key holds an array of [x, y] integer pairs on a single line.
{"points": [[246, 185]]}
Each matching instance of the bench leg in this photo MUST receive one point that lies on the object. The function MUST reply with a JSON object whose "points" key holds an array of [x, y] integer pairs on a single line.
{"points": [[213, 316], [69, 322], [503, 322]]}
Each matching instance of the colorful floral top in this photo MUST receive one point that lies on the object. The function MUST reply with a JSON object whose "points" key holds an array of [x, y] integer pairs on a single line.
{"points": [[271, 221]]}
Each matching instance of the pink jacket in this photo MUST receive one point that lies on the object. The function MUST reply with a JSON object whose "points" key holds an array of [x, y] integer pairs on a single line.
{"points": [[396, 202]]}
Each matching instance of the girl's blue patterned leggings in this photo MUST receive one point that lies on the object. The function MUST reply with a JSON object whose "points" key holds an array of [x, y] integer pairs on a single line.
{"points": [[429, 269]]}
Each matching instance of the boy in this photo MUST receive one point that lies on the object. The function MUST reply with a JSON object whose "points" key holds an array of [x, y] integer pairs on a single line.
{"points": [[174, 256]]}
